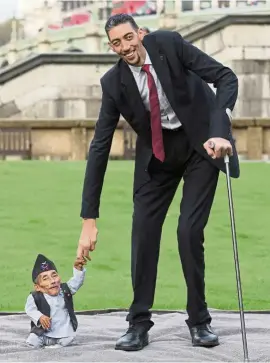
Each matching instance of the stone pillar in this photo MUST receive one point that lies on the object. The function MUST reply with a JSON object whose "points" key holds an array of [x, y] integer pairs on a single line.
{"points": [[214, 4], [93, 38], [168, 20], [177, 7], [233, 4], [12, 54], [12, 48], [160, 6], [44, 44], [254, 143], [78, 143], [169, 6], [196, 5]]}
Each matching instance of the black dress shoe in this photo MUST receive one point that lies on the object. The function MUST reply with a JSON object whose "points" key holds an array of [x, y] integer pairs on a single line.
{"points": [[203, 336], [136, 338]]}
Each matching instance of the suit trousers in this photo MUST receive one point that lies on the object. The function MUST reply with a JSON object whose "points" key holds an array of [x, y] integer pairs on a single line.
{"points": [[151, 203]]}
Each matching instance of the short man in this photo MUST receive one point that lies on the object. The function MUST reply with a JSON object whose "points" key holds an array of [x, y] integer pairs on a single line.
{"points": [[50, 305], [160, 86]]}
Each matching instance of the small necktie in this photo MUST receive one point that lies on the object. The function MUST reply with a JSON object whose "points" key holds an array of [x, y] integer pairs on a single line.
{"points": [[155, 116]]}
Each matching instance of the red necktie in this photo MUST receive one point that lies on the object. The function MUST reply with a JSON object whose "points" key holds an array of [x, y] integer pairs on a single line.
{"points": [[157, 138]]}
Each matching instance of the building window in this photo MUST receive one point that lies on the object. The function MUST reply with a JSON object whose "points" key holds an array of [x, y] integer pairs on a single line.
{"points": [[224, 3], [187, 5], [250, 2], [205, 4], [67, 5]]}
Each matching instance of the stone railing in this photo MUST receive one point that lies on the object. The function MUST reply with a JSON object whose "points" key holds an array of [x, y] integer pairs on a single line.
{"points": [[68, 139], [64, 139], [252, 137]]}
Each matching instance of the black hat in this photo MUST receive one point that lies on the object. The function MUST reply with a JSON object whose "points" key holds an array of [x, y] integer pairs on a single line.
{"points": [[42, 264]]}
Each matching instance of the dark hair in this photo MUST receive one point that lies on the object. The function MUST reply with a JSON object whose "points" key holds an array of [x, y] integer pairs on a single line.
{"points": [[118, 19], [146, 29]]}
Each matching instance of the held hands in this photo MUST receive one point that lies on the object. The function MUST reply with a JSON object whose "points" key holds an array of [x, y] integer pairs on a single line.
{"points": [[88, 239], [45, 322], [79, 263], [218, 147]]}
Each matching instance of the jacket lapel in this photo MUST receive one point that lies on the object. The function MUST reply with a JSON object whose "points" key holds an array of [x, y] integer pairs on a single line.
{"points": [[160, 64], [130, 90]]}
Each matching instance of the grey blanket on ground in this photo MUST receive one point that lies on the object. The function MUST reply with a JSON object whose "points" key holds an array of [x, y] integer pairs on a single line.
{"points": [[169, 340]]}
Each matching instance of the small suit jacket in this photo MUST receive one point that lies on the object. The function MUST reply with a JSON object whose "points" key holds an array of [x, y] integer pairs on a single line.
{"points": [[184, 72]]}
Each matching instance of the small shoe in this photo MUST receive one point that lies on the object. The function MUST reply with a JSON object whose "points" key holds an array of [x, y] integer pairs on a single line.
{"points": [[203, 336], [136, 338]]}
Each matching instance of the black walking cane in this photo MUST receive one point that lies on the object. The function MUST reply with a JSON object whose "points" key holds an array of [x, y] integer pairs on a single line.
{"points": [[236, 260]]}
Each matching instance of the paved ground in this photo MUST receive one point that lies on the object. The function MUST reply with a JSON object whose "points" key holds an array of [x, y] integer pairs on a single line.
{"points": [[169, 340]]}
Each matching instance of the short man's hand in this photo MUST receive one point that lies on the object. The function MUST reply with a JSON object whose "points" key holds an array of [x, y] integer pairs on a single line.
{"points": [[88, 239], [79, 263], [218, 147], [45, 322]]}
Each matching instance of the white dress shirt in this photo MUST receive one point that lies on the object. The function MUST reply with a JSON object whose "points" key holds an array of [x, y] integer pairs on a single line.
{"points": [[169, 120], [60, 323]]}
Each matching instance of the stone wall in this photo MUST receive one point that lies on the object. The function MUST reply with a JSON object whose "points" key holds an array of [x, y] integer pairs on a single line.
{"points": [[64, 139], [52, 91], [254, 87], [72, 89], [245, 49]]}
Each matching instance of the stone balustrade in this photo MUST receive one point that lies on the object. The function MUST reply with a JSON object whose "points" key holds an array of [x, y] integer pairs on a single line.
{"points": [[68, 139]]}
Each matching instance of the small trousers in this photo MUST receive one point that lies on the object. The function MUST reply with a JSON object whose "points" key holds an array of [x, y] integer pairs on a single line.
{"points": [[41, 341]]}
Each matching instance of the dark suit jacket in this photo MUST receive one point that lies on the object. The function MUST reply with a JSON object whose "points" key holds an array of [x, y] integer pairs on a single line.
{"points": [[183, 71]]}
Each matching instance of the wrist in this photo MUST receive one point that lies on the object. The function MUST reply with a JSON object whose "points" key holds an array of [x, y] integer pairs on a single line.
{"points": [[89, 221]]}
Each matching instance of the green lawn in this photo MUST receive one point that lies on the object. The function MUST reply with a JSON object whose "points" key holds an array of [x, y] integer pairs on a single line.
{"points": [[39, 213]]}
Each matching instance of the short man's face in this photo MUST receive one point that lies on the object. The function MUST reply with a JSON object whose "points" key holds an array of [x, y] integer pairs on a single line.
{"points": [[127, 43], [48, 283]]}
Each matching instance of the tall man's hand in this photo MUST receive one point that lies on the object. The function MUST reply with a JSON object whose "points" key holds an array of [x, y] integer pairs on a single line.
{"points": [[217, 147], [88, 239]]}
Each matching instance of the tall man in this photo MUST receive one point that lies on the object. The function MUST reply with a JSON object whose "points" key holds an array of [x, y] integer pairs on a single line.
{"points": [[159, 85]]}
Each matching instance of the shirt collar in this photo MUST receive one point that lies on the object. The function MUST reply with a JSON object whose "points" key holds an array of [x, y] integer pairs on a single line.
{"points": [[137, 70]]}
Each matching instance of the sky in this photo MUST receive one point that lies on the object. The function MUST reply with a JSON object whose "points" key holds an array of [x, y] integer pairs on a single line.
{"points": [[7, 8]]}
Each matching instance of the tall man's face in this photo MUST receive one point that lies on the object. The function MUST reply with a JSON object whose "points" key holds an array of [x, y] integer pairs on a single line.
{"points": [[127, 43]]}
